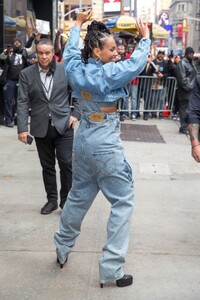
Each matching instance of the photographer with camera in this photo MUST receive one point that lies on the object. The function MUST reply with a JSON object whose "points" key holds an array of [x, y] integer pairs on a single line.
{"points": [[159, 72], [15, 59]]}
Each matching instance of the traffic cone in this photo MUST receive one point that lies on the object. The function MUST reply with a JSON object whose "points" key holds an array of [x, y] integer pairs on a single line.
{"points": [[166, 112]]}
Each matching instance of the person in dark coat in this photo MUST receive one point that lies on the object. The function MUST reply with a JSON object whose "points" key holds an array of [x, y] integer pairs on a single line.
{"points": [[16, 61], [159, 72], [44, 88], [193, 119], [186, 73]]}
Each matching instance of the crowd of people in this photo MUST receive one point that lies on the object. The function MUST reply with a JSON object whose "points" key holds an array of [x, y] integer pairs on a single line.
{"points": [[99, 76], [154, 89]]}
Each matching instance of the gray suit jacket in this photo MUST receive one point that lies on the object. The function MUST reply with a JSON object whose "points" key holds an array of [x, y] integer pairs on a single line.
{"points": [[31, 95]]}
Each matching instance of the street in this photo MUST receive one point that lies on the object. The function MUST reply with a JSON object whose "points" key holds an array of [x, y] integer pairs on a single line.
{"points": [[164, 249]]}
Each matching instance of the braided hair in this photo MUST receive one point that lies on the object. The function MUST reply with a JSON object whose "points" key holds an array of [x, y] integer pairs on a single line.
{"points": [[96, 33]]}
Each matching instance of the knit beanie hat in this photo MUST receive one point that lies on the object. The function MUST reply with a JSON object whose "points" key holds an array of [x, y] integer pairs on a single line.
{"points": [[189, 50], [17, 39]]}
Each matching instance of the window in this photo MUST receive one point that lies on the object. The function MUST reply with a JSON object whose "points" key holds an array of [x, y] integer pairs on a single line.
{"points": [[197, 23], [66, 11], [182, 7]]}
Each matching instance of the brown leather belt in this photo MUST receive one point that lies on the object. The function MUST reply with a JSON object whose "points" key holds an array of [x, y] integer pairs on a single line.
{"points": [[102, 115], [108, 109]]}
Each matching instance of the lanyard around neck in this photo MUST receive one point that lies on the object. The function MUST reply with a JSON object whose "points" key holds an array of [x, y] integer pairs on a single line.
{"points": [[47, 89]]}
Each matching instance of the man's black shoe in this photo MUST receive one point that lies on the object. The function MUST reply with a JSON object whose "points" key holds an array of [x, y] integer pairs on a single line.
{"points": [[121, 118], [154, 115], [48, 208], [62, 203], [184, 131], [12, 124], [138, 115]]}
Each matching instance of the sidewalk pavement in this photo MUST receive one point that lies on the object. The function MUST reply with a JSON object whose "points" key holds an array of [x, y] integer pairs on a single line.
{"points": [[164, 249]]}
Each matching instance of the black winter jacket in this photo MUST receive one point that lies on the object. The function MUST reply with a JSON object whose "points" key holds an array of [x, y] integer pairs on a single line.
{"points": [[185, 75], [193, 110]]}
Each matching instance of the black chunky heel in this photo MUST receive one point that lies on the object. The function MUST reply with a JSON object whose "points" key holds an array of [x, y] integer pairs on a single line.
{"points": [[61, 265], [126, 280]]}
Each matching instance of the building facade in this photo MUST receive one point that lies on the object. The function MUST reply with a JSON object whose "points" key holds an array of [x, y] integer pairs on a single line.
{"points": [[70, 8], [17, 18], [152, 9], [185, 17]]}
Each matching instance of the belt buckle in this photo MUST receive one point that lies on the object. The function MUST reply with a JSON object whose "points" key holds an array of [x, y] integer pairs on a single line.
{"points": [[97, 117]]}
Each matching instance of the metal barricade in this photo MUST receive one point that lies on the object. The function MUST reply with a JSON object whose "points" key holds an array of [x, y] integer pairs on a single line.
{"points": [[150, 94]]}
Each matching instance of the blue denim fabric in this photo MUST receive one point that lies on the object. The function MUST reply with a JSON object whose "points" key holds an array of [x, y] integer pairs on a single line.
{"points": [[99, 164], [134, 99], [98, 81], [98, 156]]}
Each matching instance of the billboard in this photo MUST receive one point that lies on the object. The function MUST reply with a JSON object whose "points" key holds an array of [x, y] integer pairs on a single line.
{"points": [[112, 5], [169, 29], [163, 19]]}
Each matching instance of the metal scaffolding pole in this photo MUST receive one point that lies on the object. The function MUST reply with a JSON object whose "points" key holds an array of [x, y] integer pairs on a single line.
{"points": [[135, 8]]}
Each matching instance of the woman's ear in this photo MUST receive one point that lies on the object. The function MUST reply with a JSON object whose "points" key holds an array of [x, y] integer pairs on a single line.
{"points": [[96, 52]]}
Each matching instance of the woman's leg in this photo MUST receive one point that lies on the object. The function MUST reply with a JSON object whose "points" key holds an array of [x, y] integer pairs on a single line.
{"points": [[118, 189], [80, 198]]}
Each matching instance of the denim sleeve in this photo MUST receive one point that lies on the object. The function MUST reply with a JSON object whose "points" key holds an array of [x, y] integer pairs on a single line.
{"points": [[112, 75], [120, 73], [72, 51]]}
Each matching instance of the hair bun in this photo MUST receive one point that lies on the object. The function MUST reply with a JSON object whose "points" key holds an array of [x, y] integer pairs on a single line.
{"points": [[98, 26], [93, 26]]}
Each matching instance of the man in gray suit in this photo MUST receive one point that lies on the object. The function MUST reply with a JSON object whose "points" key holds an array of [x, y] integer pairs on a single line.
{"points": [[43, 88]]}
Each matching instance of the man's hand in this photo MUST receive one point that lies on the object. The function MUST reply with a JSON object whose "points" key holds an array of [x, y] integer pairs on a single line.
{"points": [[59, 32], [37, 36], [72, 122], [22, 137], [160, 75], [83, 17]]}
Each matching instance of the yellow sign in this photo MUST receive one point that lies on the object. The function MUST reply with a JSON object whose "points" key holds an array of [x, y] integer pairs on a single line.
{"points": [[66, 27]]}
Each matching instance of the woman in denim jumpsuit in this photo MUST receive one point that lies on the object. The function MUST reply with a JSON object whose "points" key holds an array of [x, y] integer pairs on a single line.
{"points": [[98, 155]]}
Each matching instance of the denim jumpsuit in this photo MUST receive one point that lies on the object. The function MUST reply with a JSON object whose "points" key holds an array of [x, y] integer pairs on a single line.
{"points": [[98, 156]]}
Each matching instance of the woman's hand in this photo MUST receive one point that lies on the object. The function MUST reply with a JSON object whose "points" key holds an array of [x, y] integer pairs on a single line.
{"points": [[142, 28], [83, 17]]}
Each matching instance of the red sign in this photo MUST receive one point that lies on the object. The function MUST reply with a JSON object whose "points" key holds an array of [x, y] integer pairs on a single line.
{"points": [[180, 30], [111, 1]]}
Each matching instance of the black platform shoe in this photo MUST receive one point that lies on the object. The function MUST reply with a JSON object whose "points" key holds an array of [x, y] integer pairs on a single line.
{"points": [[126, 280], [61, 265]]}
